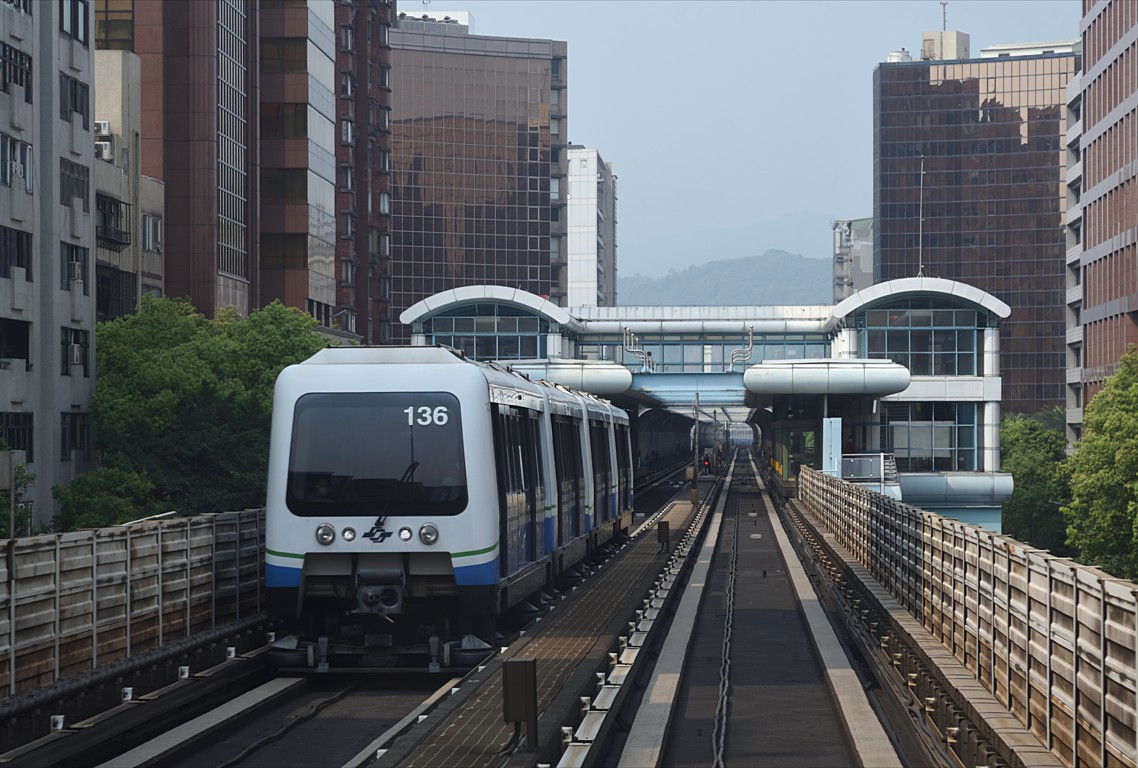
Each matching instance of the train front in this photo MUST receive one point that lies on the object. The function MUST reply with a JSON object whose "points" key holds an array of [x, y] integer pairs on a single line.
{"points": [[369, 509]]}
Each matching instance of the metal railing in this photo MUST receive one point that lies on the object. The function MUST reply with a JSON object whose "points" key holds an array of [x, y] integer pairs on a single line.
{"points": [[74, 602], [1051, 640]]}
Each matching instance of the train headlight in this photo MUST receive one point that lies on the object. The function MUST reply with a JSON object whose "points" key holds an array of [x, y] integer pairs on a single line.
{"points": [[325, 534], [349, 534], [428, 534], [405, 534]]}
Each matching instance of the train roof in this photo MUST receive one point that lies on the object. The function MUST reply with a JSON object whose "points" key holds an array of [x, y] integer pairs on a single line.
{"points": [[387, 355]]}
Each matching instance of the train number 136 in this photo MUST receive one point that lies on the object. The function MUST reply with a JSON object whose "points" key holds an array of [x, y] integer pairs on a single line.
{"points": [[426, 415]]}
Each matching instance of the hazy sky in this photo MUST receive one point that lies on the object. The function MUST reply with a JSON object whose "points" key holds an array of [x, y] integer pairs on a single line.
{"points": [[735, 127]]}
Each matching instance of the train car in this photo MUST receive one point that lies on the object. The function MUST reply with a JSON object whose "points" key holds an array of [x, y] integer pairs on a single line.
{"points": [[417, 495]]}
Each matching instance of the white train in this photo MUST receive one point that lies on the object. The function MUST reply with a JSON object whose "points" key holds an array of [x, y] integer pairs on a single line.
{"points": [[415, 494]]}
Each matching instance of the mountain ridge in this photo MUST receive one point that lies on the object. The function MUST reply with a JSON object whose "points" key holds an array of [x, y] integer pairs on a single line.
{"points": [[734, 282]]}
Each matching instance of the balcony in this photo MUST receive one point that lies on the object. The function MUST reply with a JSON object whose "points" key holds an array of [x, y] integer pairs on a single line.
{"points": [[112, 237], [110, 215]]}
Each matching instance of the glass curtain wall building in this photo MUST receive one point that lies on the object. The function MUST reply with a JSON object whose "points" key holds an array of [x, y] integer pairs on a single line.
{"points": [[988, 207], [478, 141]]}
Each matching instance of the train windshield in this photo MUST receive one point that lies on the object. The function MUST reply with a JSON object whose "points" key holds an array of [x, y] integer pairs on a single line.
{"points": [[376, 454]]}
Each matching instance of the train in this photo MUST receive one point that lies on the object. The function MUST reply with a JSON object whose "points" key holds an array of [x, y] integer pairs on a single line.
{"points": [[415, 496]]}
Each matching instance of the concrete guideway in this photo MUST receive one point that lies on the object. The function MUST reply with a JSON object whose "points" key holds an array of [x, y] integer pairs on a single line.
{"points": [[673, 723]]}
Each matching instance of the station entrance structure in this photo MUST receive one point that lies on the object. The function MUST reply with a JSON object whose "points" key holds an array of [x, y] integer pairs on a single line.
{"points": [[897, 386]]}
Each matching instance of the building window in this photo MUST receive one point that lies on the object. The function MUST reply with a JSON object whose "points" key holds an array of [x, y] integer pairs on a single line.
{"points": [[347, 131], [384, 77], [75, 436], [22, 6], [385, 160], [15, 163], [73, 100], [284, 55], [73, 19], [384, 35], [110, 222], [555, 189], [15, 251], [347, 224], [385, 118], [385, 202], [930, 436], [347, 178], [73, 266], [16, 429], [114, 25], [385, 288], [347, 38], [151, 233], [347, 85], [927, 338], [15, 67], [74, 183], [73, 351]]}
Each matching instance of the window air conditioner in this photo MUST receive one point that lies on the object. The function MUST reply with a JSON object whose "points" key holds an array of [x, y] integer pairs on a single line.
{"points": [[15, 169], [104, 151], [75, 271], [76, 355], [102, 128]]}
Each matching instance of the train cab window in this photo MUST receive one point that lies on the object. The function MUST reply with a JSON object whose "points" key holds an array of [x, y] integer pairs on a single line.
{"points": [[377, 454]]}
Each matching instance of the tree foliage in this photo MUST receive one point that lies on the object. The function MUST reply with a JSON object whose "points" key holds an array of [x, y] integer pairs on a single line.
{"points": [[104, 497], [1103, 514], [182, 405], [18, 515], [1033, 450]]}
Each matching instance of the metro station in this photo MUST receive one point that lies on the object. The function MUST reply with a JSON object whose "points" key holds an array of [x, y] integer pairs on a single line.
{"points": [[897, 387]]}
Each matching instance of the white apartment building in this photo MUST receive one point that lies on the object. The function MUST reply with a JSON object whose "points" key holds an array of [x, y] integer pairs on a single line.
{"points": [[591, 247]]}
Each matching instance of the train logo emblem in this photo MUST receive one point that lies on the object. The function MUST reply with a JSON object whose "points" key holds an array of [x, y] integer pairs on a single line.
{"points": [[377, 534]]}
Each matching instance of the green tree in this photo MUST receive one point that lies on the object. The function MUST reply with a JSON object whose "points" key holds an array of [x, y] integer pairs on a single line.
{"points": [[1034, 451], [1103, 514], [21, 513], [184, 403], [106, 496]]}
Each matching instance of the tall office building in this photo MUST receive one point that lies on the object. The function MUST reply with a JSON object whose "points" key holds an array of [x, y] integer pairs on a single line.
{"points": [[199, 135], [363, 157], [479, 156], [1108, 236], [298, 112], [47, 240], [969, 184], [591, 247]]}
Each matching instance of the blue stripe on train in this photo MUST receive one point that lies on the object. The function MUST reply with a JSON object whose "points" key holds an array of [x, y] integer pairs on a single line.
{"points": [[279, 576], [550, 529], [473, 575]]}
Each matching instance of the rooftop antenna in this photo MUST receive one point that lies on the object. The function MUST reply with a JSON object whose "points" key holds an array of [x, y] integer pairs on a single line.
{"points": [[921, 224], [427, 3], [943, 12]]}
